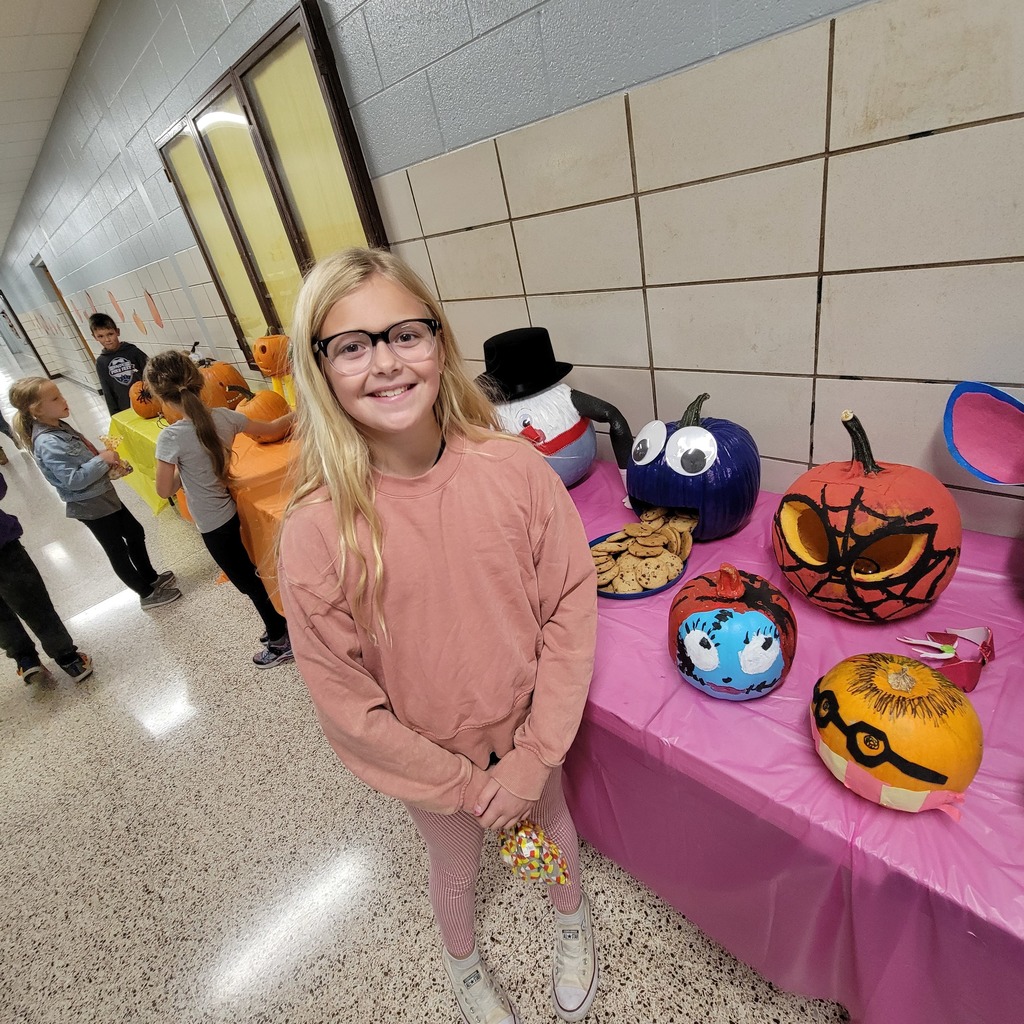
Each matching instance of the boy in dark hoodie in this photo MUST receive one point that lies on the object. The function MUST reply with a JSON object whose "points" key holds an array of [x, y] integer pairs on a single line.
{"points": [[119, 365]]}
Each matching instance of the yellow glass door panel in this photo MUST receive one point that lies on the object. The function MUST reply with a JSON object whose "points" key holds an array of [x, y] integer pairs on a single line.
{"points": [[194, 184], [226, 132], [297, 131]]}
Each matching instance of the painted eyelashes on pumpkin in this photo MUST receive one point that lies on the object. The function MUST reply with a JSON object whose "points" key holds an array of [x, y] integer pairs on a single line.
{"points": [[767, 634]]}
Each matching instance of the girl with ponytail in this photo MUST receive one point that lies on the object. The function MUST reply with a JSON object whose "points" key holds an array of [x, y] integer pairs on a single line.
{"points": [[195, 453]]}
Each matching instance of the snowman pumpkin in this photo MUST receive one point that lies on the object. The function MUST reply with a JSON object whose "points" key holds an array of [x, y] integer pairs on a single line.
{"points": [[524, 379]]}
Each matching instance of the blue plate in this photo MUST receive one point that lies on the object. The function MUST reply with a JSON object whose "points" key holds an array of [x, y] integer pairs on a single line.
{"points": [[643, 593]]}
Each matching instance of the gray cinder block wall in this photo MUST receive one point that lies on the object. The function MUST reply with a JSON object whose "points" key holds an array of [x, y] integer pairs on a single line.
{"points": [[422, 77]]}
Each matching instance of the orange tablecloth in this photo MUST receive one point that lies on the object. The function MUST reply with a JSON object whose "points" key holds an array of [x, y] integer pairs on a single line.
{"points": [[261, 488]]}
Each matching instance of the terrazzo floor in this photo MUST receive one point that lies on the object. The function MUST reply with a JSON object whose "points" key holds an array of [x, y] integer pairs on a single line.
{"points": [[180, 844]]}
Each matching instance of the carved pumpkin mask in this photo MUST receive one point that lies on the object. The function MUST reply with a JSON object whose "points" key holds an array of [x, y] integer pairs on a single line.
{"points": [[866, 540]]}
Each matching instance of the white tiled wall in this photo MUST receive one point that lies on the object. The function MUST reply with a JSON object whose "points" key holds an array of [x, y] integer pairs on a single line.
{"points": [[678, 238]]}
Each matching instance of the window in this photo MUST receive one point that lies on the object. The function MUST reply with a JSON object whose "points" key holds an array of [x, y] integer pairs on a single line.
{"points": [[268, 169]]}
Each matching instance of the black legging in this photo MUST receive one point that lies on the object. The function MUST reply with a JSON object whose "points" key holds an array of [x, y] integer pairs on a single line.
{"points": [[225, 544], [124, 540]]}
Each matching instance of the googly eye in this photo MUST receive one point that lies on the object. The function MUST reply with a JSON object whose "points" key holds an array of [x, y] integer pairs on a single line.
{"points": [[649, 442], [759, 654], [701, 649], [524, 418], [691, 451]]}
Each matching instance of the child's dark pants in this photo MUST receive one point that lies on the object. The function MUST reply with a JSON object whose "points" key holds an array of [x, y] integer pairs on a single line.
{"points": [[225, 544], [23, 595], [124, 540]]}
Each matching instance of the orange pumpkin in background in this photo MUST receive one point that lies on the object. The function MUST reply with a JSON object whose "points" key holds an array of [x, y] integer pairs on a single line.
{"points": [[217, 375], [871, 541], [896, 732], [264, 406], [271, 355], [144, 402]]}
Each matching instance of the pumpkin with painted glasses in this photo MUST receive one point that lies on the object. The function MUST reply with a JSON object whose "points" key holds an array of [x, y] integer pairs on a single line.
{"points": [[866, 540], [896, 732]]}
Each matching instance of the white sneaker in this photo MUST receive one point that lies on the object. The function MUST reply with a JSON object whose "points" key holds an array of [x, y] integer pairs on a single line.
{"points": [[574, 970], [481, 999]]}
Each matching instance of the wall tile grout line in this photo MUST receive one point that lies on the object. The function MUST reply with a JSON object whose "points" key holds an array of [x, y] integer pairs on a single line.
{"points": [[512, 231], [640, 244], [821, 237]]}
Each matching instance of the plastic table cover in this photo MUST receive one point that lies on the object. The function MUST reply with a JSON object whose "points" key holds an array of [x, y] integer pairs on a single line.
{"points": [[725, 810]]}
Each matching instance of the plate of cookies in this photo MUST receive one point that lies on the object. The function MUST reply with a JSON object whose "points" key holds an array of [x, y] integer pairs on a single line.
{"points": [[643, 558]]}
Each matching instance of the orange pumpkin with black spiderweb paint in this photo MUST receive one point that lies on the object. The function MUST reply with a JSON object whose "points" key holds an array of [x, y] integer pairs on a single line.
{"points": [[867, 540]]}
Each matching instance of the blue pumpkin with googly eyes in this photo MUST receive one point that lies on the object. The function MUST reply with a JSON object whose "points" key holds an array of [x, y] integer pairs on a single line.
{"points": [[732, 634], [710, 467]]}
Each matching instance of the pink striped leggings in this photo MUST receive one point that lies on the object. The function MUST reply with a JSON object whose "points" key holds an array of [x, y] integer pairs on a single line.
{"points": [[454, 843]]}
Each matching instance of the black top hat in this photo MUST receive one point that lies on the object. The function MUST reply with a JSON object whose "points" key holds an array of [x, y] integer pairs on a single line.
{"points": [[520, 363]]}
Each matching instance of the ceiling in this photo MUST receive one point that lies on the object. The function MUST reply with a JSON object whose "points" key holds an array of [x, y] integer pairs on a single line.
{"points": [[39, 40]]}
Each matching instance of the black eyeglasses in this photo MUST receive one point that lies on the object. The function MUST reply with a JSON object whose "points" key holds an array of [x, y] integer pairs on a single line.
{"points": [[867, 745], [351, 352]]}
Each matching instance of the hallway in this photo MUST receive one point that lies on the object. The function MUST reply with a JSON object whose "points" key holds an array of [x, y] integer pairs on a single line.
{"points": [[180, 844]]}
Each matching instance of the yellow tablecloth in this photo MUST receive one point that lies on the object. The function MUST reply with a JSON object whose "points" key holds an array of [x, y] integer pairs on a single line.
{"points": [[138, 446]]}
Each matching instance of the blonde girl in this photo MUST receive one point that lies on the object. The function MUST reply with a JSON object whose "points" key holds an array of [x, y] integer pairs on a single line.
{"points": [[442, 600], [81, 475], [195, 453]]}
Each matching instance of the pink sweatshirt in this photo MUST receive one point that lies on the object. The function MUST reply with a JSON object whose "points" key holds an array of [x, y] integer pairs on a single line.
{"points": [[490, 599]]}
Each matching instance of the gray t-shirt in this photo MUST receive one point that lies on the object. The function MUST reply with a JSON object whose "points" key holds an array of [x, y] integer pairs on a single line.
{"points": [[209, 502]]}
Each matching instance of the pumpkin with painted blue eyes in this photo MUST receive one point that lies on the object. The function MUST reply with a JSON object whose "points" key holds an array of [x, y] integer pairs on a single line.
{"points": [[731, 634], [710, 467]]}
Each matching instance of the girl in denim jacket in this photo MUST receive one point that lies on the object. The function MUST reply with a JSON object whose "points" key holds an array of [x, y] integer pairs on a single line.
{"points": [[81, 475]]}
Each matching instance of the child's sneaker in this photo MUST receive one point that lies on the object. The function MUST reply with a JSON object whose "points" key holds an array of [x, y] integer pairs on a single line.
{"points": [[33, 673], [165, 579], [481, 998], [574, 971], [80, 668], [160, 595], [274, 654]]}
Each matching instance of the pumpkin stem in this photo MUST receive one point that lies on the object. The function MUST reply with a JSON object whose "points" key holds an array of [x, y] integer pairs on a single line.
{"points": [[245, 392], [730, 583], [861, 448], [691, 418]]}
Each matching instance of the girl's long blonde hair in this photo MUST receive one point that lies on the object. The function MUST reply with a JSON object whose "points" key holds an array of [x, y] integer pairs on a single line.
{"points": [[24, 394], [334, 453], [173, 377]]}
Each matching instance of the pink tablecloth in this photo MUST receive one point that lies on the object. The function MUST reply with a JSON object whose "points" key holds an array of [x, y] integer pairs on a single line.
{"points": [[725, 810]]}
